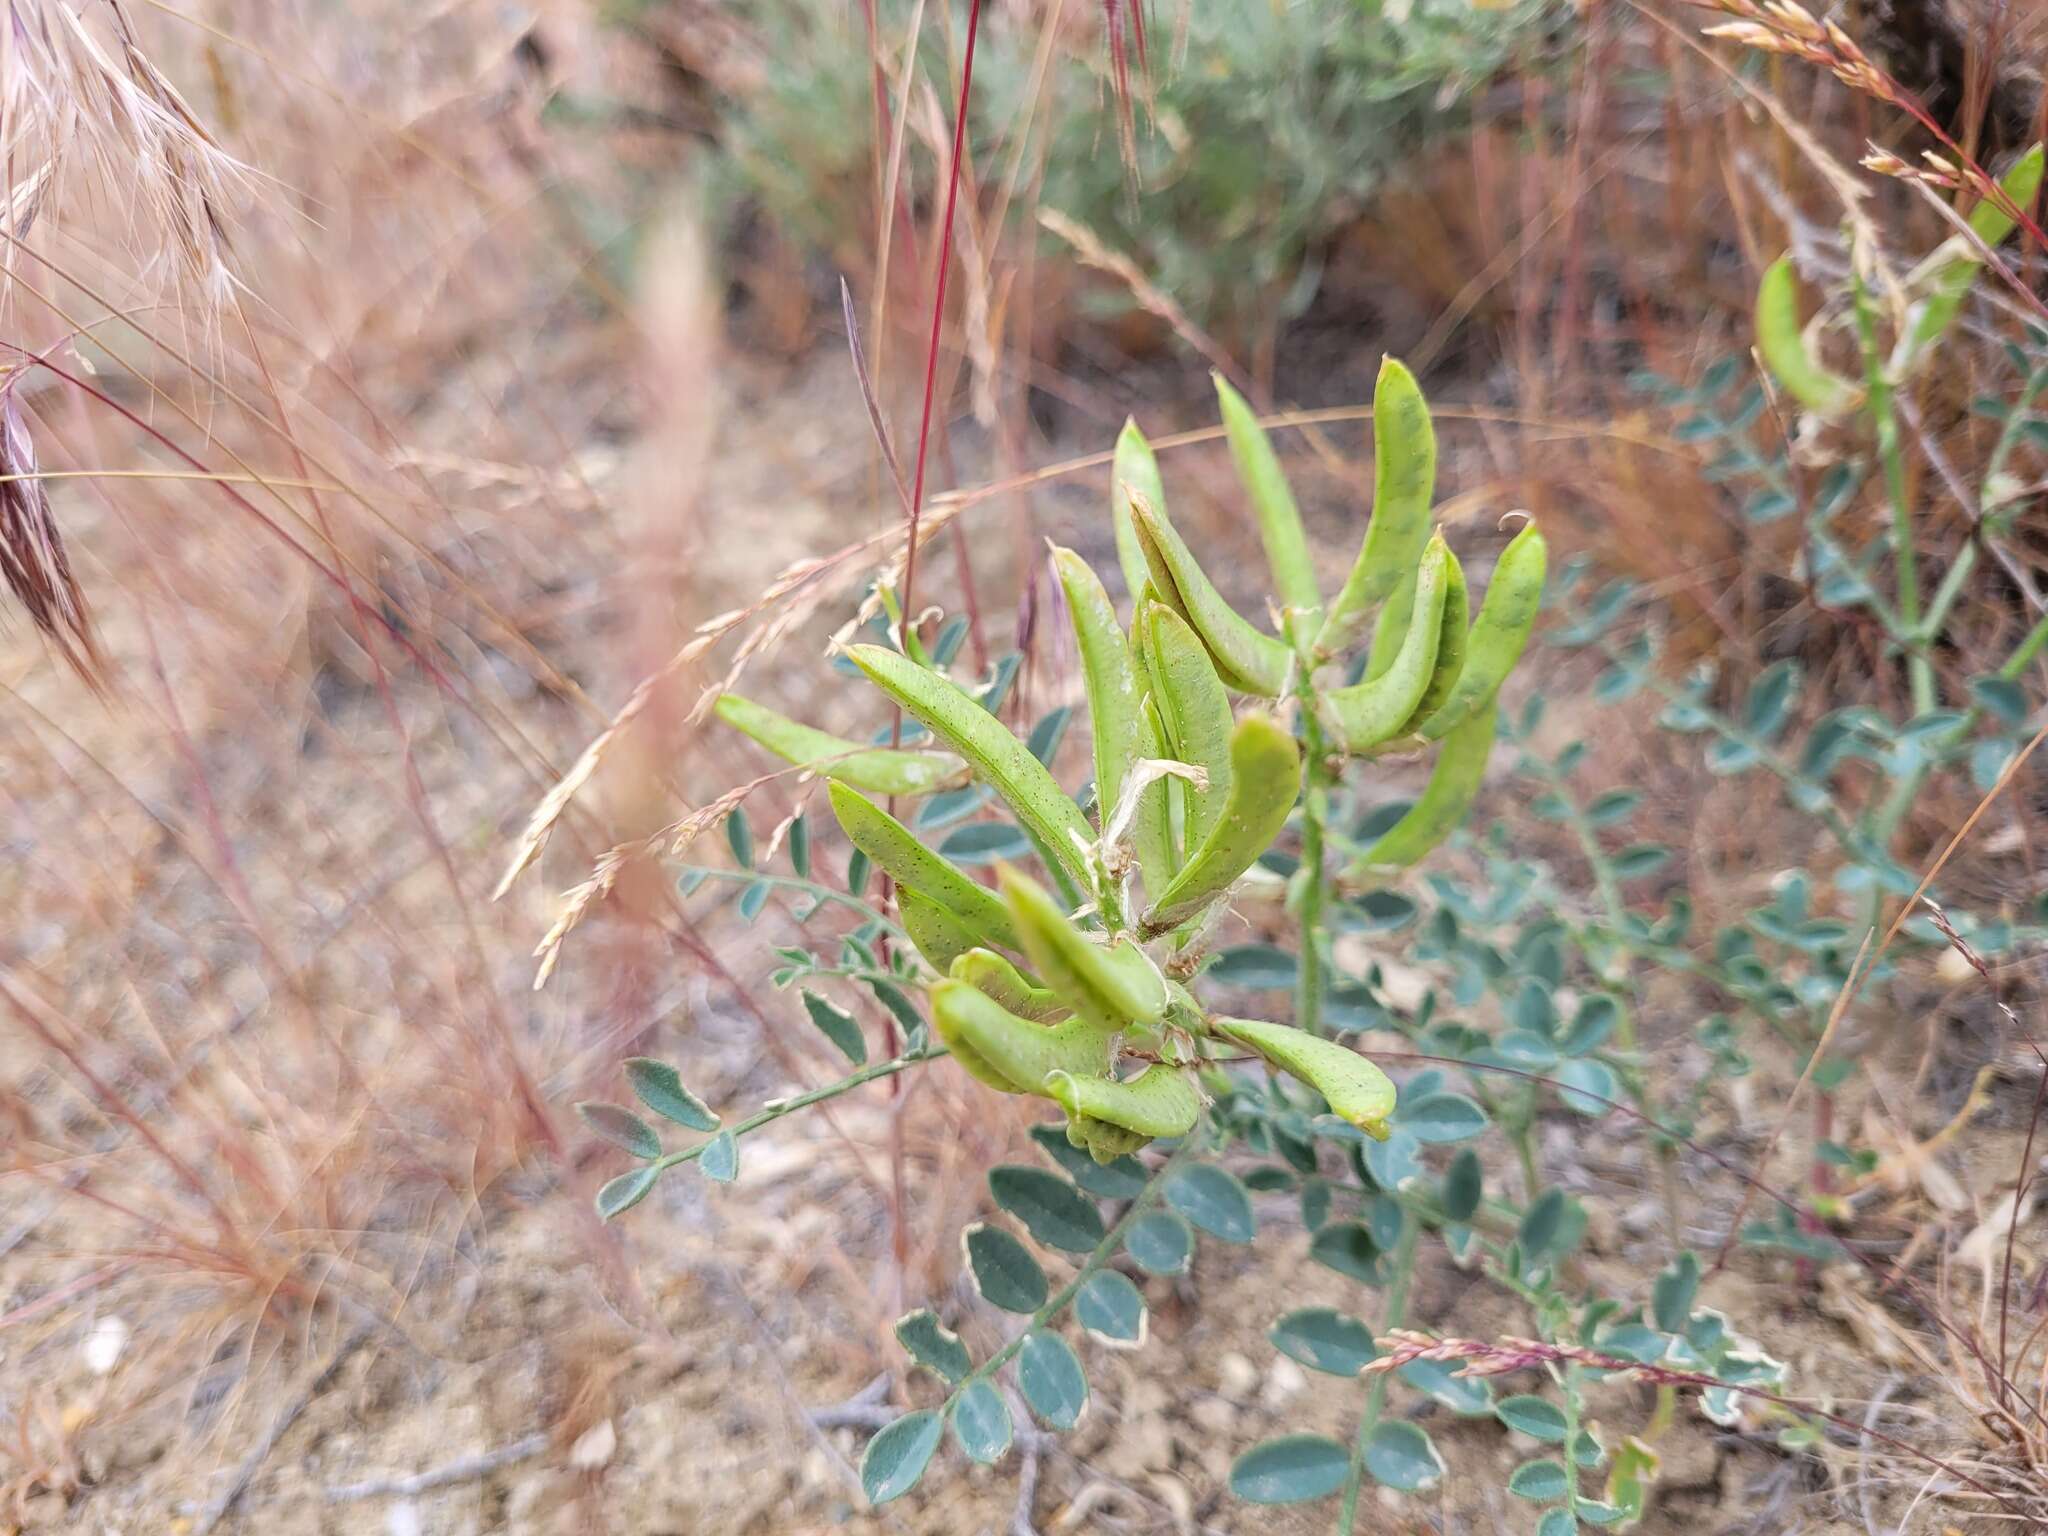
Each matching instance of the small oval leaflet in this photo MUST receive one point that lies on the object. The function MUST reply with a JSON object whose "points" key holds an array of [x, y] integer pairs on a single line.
{"points": [[1257, 967], [1442, 1117], [1214, 1200], [933, 1345], [739, 834], [1672, 1294], [1468, 1396], [1159, 1243], [720, 1159], [1052, 1210], [1348, 1248], [981, 1423], [1399, 1455], [1532, 1416], [1557, 1522], [1290, 1470], [1587, 1087], [1463, 1185], [1004, 1271], [1541, 1480], [838, 1026], [1110, 1308], [1049, 1375], [1396, 1162], [625, 1192], [1543, 1224], [896, 1458], [621, 1127], [1324, 1340], [657, 1085]]}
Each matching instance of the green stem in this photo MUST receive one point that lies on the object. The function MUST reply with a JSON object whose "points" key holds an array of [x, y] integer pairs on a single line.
{"points": [[780, 1107], [1308, 981], [1906, 790], [1882, 407], [1395, 1316], [1571, 1440], [793, 883]]}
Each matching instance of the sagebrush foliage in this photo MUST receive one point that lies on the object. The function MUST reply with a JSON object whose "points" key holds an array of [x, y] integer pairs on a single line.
{"points": [[1262, 131]]}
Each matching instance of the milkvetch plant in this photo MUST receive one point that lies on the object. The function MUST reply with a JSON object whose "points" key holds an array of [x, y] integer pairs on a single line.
{"points": [[1079, 978]]}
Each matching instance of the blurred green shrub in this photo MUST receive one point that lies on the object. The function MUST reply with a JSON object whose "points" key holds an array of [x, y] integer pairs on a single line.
{"points": [[1262, 132]]}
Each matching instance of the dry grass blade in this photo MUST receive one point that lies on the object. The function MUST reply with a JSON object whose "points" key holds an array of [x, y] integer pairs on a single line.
{"points": [[127, 131], [32, 555]]}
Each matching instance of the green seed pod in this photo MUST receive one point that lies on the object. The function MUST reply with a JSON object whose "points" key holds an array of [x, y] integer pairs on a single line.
{"points": [[998, 757], [1115, 986], [1450, 647], [992, 974], [1022, 1054], [1369, 714], [879, 770], [1116, 713], [1280, 530], [1194, 711], [1953, 278], [1135, 470], [1460, 767], [1358, 1092], [1247, 659], [1506, 617], [939, 937], [1265, 777], [1784, 346], [1159, 1101], [1390, 629], [1404, 479], [889, 843]]}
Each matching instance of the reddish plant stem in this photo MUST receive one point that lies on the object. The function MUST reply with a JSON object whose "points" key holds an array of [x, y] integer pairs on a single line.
{"points": [[931, 355]]}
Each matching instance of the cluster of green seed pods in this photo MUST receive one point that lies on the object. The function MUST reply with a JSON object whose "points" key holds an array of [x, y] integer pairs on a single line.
{"points": [[1080, 1002]]}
